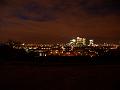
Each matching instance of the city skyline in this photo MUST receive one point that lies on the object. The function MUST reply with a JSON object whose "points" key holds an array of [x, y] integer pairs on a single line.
{"points": [[72, 41], [59, 20]]}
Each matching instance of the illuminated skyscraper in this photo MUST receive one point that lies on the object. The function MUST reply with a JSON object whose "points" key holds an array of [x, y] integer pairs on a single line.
{"points": [[81, 41], [91, 42], [72, 42], [84, 41], [78, 42]]}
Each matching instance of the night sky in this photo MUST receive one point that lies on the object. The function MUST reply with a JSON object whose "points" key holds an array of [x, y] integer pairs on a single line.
{"points": [[59, 20]]}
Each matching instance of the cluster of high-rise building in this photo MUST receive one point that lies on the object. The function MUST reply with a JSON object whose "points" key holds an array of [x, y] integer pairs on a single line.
{"points": [[81, 42]]}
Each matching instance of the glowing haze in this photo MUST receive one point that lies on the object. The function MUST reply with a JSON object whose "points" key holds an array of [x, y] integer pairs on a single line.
{"points": [[59, 20]]}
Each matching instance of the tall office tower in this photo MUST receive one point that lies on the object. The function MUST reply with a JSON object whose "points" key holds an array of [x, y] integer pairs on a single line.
{"points": [[72, 42], [84, 41], [91, 42], [79, 41]]}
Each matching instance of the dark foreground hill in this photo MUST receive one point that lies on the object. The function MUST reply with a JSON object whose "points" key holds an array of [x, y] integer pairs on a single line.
{"points": [[23, 76], [77, 60], [19, 71], [60, 73]]}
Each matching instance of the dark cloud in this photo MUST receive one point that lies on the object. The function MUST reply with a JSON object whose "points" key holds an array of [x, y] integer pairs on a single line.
{"points": [[105, 7], [54, 9], [113, 5], [34, 11], [3, 2]]}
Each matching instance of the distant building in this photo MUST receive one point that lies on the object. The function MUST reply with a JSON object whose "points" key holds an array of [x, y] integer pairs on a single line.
{"points": [[91, 42], [84, 41], [81, 41], [78, 42], [72, 42]]}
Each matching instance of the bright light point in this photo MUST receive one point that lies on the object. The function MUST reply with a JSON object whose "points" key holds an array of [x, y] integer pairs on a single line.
{"points": [[23, 44], [78, 37], [73, 40], [91, 40]]}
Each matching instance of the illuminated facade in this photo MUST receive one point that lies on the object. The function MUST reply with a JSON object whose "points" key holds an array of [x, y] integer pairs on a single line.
{"points": [[84, 41], [78, 42], [91, 42], [72, 42]]}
